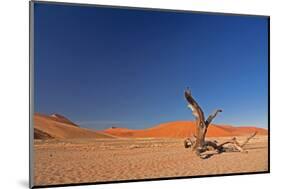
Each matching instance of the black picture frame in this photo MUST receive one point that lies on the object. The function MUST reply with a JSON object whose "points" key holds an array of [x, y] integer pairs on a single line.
{"points": [[31, 91]]}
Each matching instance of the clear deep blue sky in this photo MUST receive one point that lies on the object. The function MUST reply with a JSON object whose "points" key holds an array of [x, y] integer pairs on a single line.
{"points": [[104, 67]]}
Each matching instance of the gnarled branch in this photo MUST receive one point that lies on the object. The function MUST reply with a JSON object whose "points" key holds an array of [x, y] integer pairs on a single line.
{"points": [[204, 148], [212, 116], [247, 140], [193, 105]]}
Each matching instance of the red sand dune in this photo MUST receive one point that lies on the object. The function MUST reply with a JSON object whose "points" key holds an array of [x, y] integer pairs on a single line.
{"points": [[182, 129], [59, 127]]}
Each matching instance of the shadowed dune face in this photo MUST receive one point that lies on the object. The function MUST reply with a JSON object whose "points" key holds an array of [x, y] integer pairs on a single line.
{"points": [[59, 127], [38, 134], [60, 118], [182, 129]]}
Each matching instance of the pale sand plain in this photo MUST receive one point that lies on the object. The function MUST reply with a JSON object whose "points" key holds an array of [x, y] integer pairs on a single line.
{"points": [[66, 161]]}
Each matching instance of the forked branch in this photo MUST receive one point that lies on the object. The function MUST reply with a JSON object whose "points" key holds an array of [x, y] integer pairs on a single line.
{"points": [[212, 116], [198, 143]]}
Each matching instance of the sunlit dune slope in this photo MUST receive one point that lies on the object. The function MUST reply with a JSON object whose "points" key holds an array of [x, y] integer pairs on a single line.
{"points": [[181, 129], [59, 127]]}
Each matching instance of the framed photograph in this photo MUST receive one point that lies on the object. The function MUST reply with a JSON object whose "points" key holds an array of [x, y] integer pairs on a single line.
{"points": [[121, 94]]}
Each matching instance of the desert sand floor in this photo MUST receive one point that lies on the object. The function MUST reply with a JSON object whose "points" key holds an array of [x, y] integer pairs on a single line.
{"points": [[97, 160]]}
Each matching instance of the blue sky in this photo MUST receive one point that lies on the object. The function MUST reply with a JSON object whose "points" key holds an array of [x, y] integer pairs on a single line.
{"points": [[104, 67]]}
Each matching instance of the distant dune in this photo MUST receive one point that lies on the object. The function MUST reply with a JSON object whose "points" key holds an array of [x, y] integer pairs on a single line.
{"points": [[60, 118], [58, 127], [182, 129]]}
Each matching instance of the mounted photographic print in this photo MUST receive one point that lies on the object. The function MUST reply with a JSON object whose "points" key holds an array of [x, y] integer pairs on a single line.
{"points": [[120, 94]]}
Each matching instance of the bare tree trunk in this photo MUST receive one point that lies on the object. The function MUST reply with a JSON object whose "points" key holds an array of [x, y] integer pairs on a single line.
{"points": [[201, 124], [200, 121], [200, 145]]}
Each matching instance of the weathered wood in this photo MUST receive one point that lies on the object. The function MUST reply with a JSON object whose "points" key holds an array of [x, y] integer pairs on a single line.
{"points": [[248, 139], [212, 116], [236, 144], [201, 124], [200, 145], [200, 121], [188, 143]]}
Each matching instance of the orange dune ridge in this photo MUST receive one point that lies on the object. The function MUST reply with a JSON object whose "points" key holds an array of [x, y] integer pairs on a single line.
{"points": [[56, 126], [182, 129], [59, 127]]}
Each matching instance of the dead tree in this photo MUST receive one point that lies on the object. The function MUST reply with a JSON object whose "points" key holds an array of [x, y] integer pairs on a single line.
{"points": [[198, 142]]}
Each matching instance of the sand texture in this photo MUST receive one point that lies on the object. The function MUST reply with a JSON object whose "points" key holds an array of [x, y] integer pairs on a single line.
{"points": [[80, 160]]}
